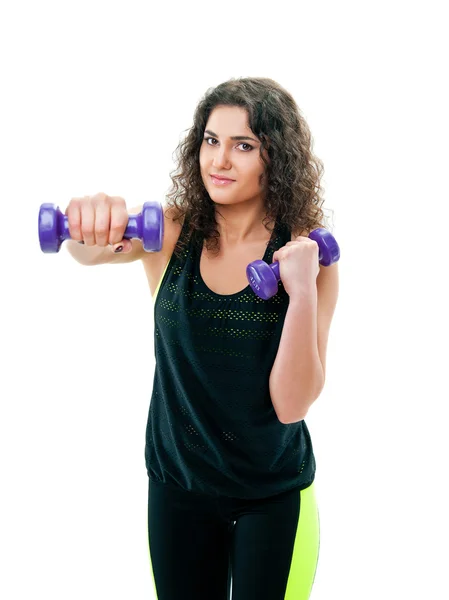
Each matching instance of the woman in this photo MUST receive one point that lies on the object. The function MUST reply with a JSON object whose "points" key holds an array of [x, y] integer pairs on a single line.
{"points": [[228, 454]]}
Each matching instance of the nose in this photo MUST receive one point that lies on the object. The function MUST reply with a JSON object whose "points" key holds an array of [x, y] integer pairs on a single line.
{"points": [[221, 159]]}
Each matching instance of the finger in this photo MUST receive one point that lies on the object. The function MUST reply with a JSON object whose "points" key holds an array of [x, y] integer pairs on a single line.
{"points": [[88, 224], [102, 222], [119, 221], [73, 213], [276, 256]]}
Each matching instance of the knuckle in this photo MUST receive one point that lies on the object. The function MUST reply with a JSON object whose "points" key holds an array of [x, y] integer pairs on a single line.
{"points": [[116, 234], [74, 227], [73, 217], [117, 228], [101, 232], [100, 198], [101, 226], [88, 232]]}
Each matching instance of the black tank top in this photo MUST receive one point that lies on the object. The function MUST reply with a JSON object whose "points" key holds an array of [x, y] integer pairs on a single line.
{"points": [[212, 428]]}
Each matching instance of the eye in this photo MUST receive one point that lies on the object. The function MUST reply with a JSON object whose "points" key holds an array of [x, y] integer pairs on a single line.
{"points": [[241, 144]]}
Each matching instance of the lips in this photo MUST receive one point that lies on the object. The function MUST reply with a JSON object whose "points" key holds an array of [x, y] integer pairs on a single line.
{"points": [[220, 178]]}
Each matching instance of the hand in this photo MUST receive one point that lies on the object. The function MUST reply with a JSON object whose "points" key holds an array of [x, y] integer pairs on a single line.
{"points": [[99, 220], [298, 265]]}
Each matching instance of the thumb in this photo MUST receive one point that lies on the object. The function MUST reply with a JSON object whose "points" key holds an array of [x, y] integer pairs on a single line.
{"points": [[124, 246]]}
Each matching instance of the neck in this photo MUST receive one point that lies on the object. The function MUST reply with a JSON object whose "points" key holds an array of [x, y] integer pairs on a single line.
{"points": [[240, 224]]}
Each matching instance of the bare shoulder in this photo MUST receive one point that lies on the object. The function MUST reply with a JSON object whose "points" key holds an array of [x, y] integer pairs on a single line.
{"points": [[303, 232]]}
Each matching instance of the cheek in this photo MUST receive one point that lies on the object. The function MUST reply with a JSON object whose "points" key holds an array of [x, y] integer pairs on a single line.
{"points": [[257, 172], [202, 162], [204, 157]]}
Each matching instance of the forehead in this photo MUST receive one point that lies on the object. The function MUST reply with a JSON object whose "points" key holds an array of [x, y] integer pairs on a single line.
{"points": [[228, 120]]}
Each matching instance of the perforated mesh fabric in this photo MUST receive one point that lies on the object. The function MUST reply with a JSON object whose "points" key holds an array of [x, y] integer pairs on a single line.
{"points": [[212, 427]]}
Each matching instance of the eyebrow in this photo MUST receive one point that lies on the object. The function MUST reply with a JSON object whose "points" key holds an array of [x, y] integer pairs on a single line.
{"points": [[234, 137]]}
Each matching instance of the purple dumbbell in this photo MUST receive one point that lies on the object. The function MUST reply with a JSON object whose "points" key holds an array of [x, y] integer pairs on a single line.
{"points": [[147, 226], [263, 278]]}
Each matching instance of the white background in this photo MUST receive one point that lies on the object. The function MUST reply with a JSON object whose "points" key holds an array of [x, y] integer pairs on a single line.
{"points": [[95, 96]]}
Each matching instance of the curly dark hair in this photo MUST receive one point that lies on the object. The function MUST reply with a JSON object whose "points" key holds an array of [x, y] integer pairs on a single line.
{"points": [[293, 191]]}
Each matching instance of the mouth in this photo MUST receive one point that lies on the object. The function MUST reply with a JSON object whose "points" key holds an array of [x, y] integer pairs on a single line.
{"points": [[221, 181], [219, 177]]}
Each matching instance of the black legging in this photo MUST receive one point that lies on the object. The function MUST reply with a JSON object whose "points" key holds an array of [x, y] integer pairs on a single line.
{"points": [[198, 544]]}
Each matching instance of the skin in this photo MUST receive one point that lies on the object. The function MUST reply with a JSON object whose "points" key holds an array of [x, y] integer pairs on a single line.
{"points": [[240, 205]]}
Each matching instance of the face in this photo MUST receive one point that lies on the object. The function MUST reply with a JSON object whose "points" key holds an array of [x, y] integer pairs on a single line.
{"points": [[236, 159]]}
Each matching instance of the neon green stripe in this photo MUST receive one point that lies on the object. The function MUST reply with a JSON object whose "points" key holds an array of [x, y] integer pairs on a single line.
{"points": [[149, 550], [160, 281], [306, 549]]}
